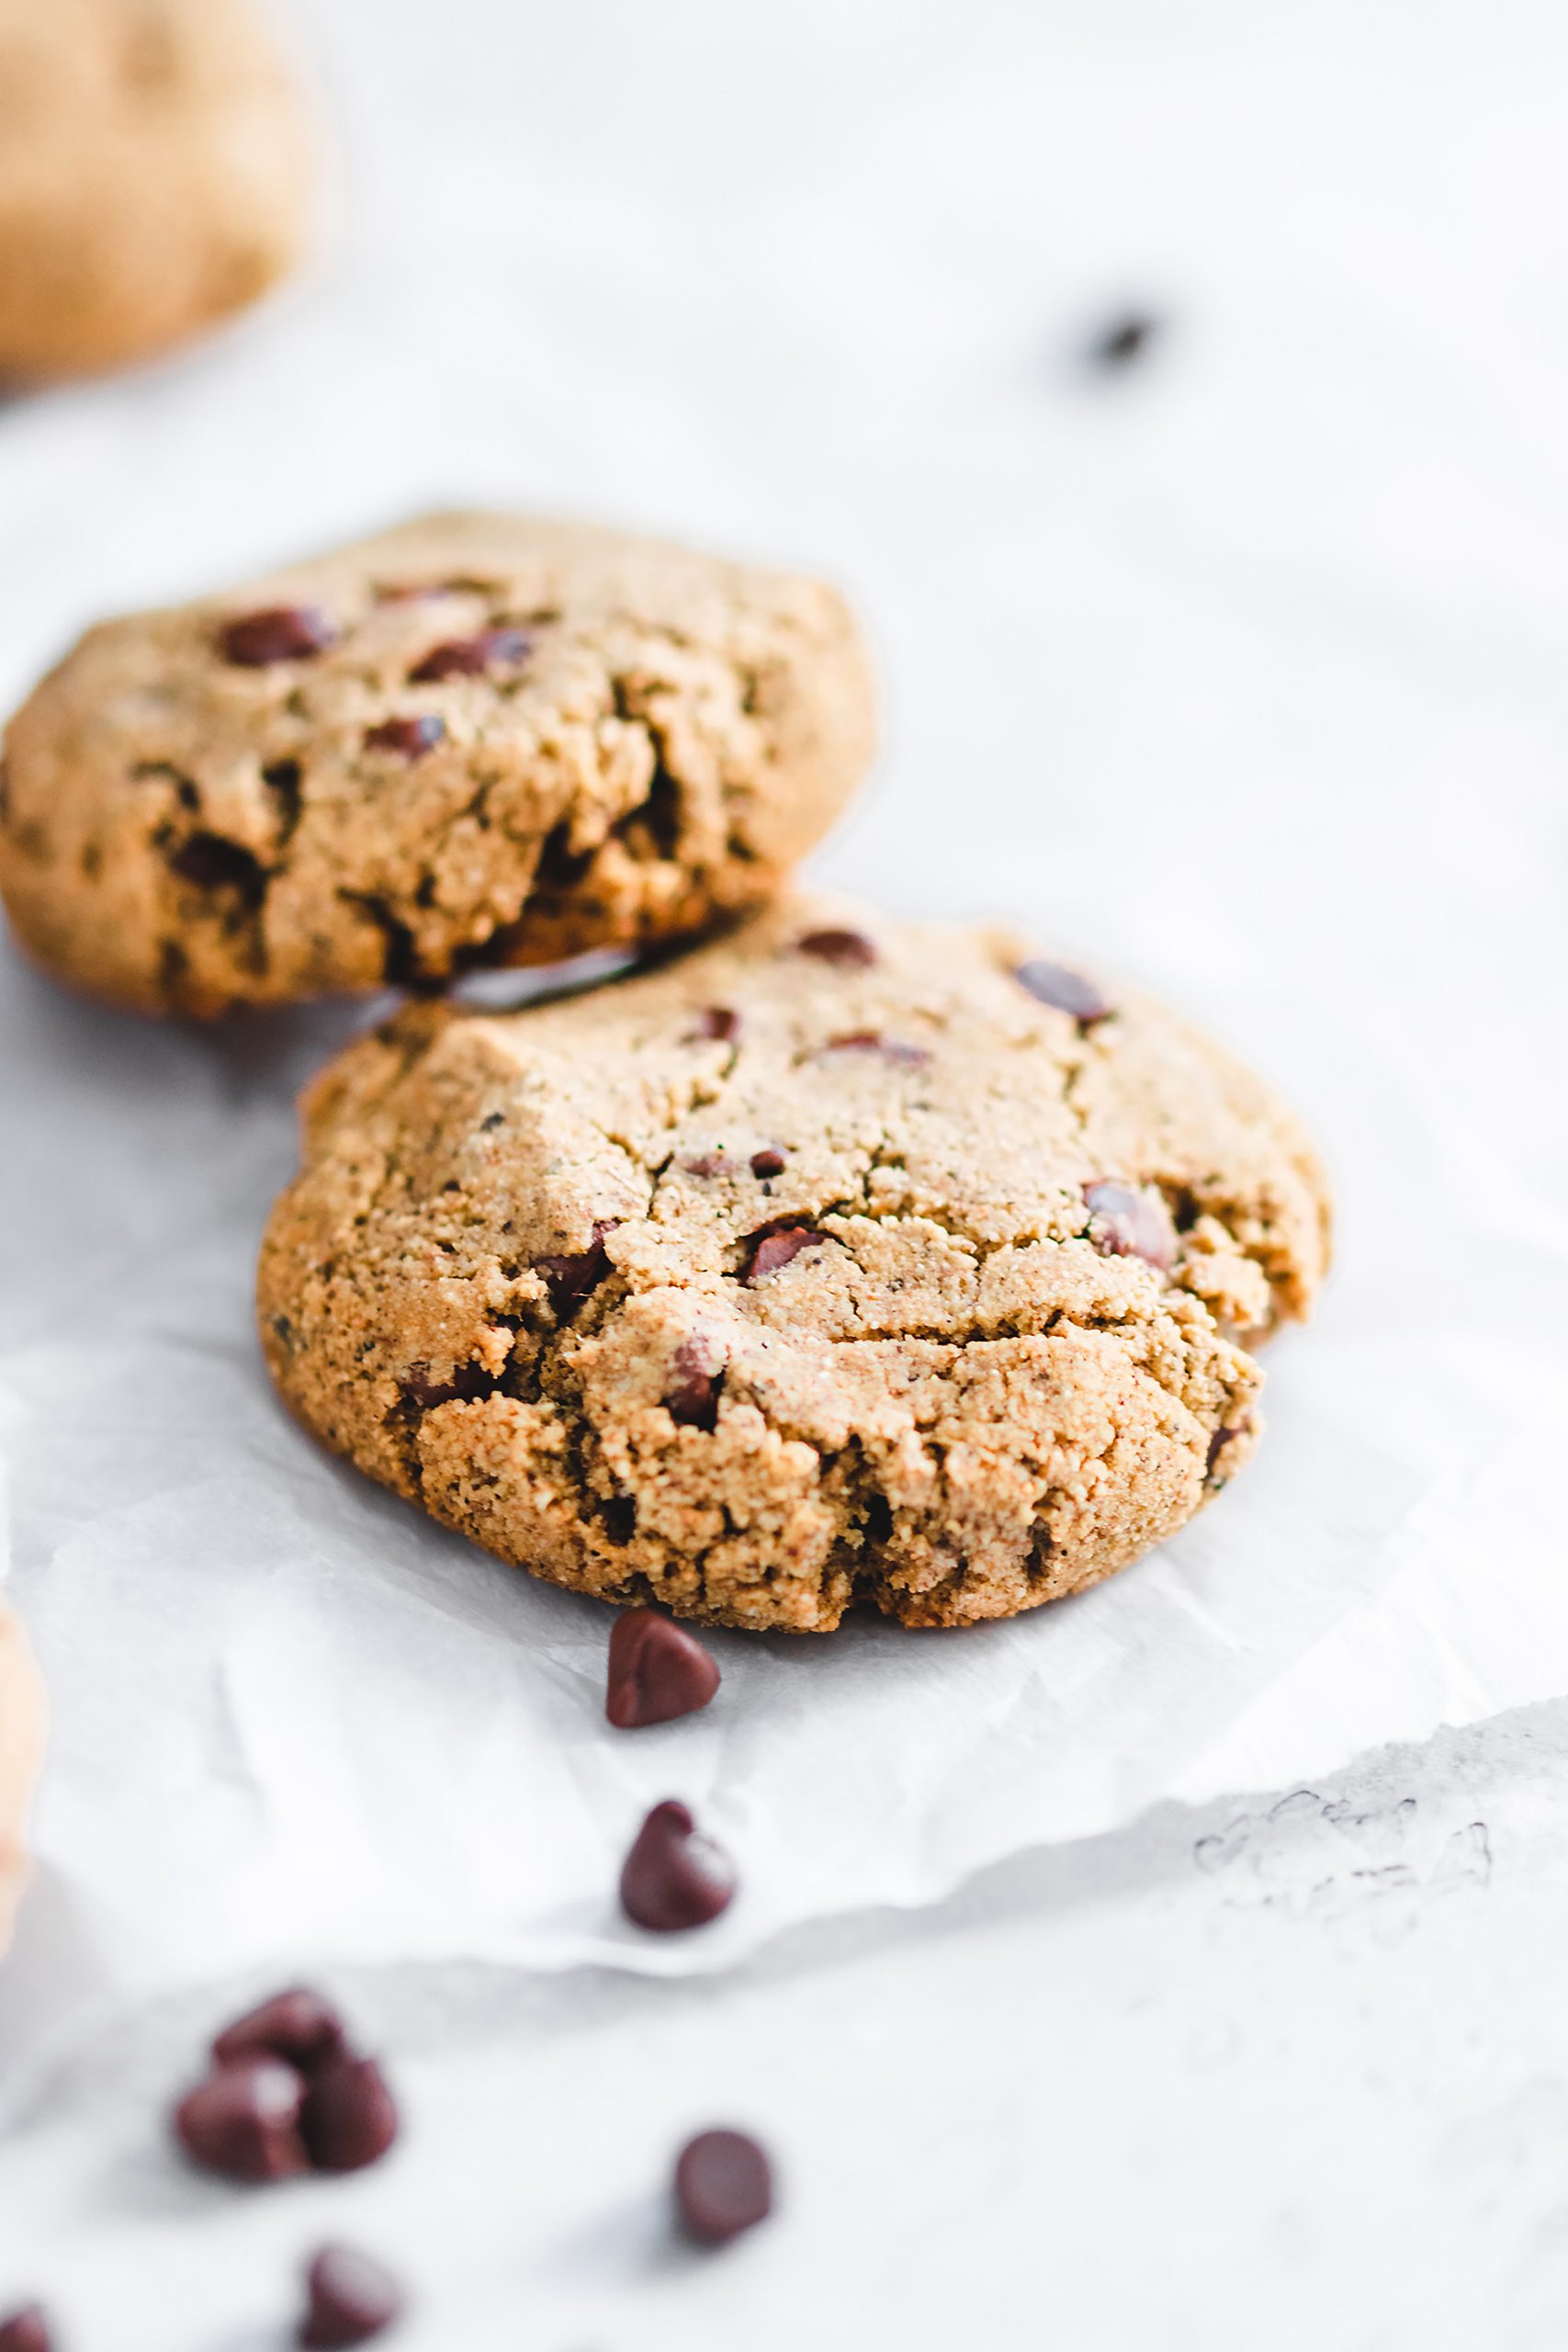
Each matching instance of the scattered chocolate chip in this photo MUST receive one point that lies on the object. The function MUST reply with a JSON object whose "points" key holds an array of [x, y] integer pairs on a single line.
{"points": [[846, 948], [1218, 1445], [298, 2026], [493, 1119], [27, 2330], [768, 1162], [696, 1377], [674, 1877], [871, 1041], [1068, 992], [658, 1671], [710, 1163], [349, 2117], [774, 1246], [281, 633], [470, 657], [350, 2298], [572, 1278], [1123, 339], [724, 2185], [408, 738], [1128, 1224], [720, 1021], [214, 864], [470, 1382], [243, 2120]]}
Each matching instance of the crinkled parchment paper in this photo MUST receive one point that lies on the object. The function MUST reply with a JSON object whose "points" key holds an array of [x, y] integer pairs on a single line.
{"points": [[296, 1726]]}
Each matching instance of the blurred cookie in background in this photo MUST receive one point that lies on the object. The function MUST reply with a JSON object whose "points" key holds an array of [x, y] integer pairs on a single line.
{"points": [[479, 739], [157, 173], [21, 1752]]}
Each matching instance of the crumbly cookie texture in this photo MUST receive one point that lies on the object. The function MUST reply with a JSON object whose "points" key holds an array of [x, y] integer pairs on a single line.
{"points": [[21, 1752], [842, 1258], [474, 738], [156, 173]]}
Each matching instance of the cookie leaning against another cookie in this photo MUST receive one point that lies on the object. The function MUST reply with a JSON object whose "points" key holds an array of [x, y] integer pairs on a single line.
{"points": [[475, 738], [842, 1258], [157, 173]]}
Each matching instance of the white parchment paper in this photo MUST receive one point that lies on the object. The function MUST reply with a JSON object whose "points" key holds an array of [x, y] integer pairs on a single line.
{"points": [[295, 1722], [1244, 677]]}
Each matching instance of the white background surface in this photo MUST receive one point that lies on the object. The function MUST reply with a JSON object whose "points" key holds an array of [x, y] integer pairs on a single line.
{"points": [[1244, 672]]}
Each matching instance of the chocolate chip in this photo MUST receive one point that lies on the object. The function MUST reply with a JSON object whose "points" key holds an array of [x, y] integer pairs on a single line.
{"points": [[214, 864], [570, 1279], [720, 1021], [691, 1396], [871, 1041], [1123, 339], [470, 1382], [493, 1119], [470, 657], [658, 1671], [846, 948], [286, 779], [1218, 1445], [1128, 1224], [349, 2117], [27, 2330], [768, 1162], [351, 2299], [280, 633], [408, 738], [710, 1163], [723, 2185], [773, 1246], [674, 1877], [243, 2120], [1068, 992], [617, 1517], [298, 2026]]}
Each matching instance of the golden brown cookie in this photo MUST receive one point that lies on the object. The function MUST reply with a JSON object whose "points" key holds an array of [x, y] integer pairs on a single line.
{"points": [[842, 1258], [156, 173], [475, 738], [21, 1752]]}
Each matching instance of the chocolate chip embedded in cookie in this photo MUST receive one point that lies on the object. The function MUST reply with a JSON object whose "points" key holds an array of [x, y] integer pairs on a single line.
{"points": [[566, 738], [156, 173], [749, 1319]]}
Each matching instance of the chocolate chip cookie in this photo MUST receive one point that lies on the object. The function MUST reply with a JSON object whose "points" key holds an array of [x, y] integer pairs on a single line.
{"points": [[156, 173], [476, 739], [843, 1258]]}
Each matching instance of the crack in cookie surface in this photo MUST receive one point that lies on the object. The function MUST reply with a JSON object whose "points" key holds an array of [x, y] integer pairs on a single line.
{"points": [[855, 1327]]}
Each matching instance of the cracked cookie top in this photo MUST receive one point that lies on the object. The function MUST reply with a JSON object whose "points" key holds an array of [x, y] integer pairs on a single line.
{"points": [[841, 1257], [473, 740], [157, 175]]}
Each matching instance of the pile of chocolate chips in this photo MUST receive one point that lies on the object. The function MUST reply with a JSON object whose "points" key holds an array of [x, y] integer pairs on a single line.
{"points": [[286, 2092]]}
